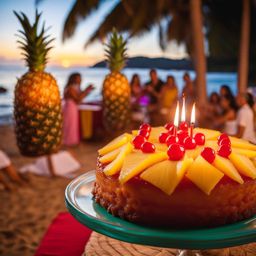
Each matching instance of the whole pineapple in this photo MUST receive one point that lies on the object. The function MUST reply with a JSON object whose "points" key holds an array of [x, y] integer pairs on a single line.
{"points": [[116, 89], [37, 103]]}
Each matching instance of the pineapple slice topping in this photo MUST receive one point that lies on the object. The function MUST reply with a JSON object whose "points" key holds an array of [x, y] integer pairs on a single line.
{"points": [[116, 143], [240, 143], [225, 166], [116, 165], [209, 134], [204, 175], [109, 157], [245, 152], [243, 164], [166, 175], [136, 162]]}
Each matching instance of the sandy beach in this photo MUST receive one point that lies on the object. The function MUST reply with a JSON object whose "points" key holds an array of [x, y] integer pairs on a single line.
{"points": [[27, 211]]}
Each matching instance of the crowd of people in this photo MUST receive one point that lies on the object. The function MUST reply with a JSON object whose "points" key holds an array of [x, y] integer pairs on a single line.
{"points": [[234, 115], [160, 97], [155, 102]]}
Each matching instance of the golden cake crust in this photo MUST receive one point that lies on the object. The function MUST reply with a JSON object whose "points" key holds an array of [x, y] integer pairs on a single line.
{"points": [[140, 202]]}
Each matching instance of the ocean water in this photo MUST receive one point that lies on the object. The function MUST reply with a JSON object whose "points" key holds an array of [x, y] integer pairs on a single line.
{"points": [[95, 76]]}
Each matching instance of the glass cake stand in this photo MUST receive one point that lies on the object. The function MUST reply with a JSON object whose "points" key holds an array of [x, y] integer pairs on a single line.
{"points": [[80, 204]]}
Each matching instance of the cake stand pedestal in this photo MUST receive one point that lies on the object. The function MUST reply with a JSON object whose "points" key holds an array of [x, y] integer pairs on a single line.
{"points": [[80, 204]]}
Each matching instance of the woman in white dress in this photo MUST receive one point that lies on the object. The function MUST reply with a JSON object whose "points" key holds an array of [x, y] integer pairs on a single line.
{"points": [[228, 118]]}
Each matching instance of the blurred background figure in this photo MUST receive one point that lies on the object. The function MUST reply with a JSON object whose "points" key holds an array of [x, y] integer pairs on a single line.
{"points": [[226, 91], [168, 99], [136, 91], [8, 173], [214, 105], [188, 89], [245, 117], [152, 90], [227, 120], [153, 87], [72, 97]]}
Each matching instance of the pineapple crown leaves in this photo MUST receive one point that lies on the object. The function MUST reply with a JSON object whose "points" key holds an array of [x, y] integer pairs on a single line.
{"points": [[34, 44], [115, 52]]}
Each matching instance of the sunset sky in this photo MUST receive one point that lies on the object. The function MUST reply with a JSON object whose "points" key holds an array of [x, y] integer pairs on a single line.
{"points": [[71, 52]]}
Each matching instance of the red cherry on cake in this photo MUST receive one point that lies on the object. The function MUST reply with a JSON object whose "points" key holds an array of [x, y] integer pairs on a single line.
{"points": [[225, 141], [176, 152], [221, 137], [162, 137], [138, 141], [168, 126], [172, 130], [183, 126], [145, 126], [189, 143], [144, 133], [208, 154], [199, 138], [182, 135], [224, 150], [172, 139], [148, 147]]}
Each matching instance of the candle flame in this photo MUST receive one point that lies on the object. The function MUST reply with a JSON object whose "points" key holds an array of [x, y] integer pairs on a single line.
{"points": [[176, 117], [193, 114], [183, 110]]}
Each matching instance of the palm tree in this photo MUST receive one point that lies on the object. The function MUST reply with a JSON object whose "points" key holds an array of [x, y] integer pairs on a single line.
{"points": [[220, 19], [243, 68], [137, 17]]}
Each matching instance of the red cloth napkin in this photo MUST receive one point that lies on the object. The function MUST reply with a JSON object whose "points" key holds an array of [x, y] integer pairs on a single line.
{"points": [[65, 237]]}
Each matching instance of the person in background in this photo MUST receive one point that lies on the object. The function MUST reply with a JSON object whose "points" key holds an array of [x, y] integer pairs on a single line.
{"points": [[228, 117], [153, 87], [8, 172], [226, 91], [168, 97], [152, 90], [72, 97], [136, 90], [188, 89], [214, 105], [245, 117]]}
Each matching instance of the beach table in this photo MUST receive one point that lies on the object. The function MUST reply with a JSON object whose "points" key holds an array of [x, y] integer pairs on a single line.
{"points": [[91, 125]]}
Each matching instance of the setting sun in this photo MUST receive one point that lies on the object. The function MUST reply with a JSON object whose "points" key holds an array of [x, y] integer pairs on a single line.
{"points": [[65, 63]]}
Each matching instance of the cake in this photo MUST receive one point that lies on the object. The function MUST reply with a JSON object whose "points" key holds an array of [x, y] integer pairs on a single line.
{"points": [[178, 178]]}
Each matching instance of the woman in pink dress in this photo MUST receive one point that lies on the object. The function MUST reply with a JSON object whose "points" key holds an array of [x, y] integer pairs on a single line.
{"points": [[72, 97]]}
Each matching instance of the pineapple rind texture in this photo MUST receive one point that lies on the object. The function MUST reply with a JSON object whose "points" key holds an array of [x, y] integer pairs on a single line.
{"points": [[116, 101], [38, 115]]}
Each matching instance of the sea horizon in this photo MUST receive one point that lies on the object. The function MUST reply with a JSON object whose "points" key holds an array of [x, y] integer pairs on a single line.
{"points": [[91, 75]]}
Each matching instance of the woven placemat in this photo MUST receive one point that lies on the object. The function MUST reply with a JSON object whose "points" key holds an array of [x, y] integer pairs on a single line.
{"points": [[100, 245]]}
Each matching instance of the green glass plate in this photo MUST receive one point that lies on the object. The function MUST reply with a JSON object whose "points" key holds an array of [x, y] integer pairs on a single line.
{"points": [[79, 202]]}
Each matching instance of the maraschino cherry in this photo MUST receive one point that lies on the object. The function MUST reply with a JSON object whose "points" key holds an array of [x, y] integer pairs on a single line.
{"points": [[144, 133], [208, 154], [189, 143], [145, 126], [199, 138], [225, 141], [176, 152], [224, 150], [138, 141], [148, 147], [183, 126], [221, 137], [163, 136], [168, 126], [171, 139], [182, 135]]}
